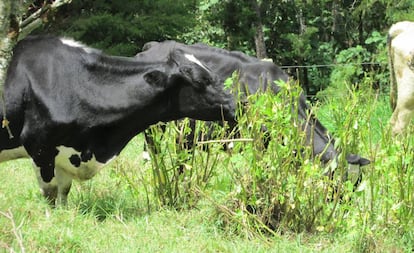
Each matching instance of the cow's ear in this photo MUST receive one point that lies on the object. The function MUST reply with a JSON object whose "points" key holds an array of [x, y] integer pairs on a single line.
{"points": [[356, 159], [364, 161], [156, 78]]}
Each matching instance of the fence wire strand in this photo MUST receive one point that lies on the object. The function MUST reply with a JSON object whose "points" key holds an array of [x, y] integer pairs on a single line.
{"points": [[332, 65]]}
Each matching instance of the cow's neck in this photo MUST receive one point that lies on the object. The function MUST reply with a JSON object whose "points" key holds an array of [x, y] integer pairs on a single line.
{"points": [[118, 96]]}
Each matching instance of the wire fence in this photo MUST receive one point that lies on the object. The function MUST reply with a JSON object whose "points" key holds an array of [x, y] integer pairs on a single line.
{"points": [[333, 65]]}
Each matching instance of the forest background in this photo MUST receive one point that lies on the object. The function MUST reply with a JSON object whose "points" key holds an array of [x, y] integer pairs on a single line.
{"points": [[308, 38]]}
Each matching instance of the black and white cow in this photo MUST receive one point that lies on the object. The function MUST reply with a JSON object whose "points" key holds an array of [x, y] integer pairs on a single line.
{"points": [[401, 63], [256, 75], [72, 109]]}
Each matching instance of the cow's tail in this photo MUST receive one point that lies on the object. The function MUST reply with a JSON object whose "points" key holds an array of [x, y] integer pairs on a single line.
{"points": [[3, 117], [393, 82], [12, 102]]}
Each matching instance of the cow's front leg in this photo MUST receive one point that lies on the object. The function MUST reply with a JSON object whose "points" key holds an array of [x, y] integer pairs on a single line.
{"points": [[56, 191], [64, 183], [48, 189], [44, 164]]}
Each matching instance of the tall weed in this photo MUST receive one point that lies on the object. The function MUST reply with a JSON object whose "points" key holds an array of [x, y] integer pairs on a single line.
{"points": [[180, 171]]}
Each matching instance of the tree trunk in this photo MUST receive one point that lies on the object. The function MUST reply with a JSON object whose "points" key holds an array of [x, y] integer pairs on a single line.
{"points": [[9, 31], [301, 60], [259, 34], [13, 28], [335, 18]]}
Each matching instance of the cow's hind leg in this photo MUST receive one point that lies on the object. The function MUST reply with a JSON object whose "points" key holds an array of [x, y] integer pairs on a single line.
{"points": [[56, 191], [400, 119]]}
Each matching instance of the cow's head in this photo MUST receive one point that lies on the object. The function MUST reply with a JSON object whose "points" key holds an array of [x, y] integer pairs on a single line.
{"points": [[193, 90]]}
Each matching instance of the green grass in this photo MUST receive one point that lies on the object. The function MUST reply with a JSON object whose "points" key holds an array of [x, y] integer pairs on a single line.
{"points": [[120, 209], [106, 215]]}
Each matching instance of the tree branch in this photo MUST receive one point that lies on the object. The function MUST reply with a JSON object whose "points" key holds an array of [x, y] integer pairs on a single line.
{"points": [[36, 19]]}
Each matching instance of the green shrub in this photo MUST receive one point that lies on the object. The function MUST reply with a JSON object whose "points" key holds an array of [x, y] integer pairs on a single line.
{"points": [[282, 187]]}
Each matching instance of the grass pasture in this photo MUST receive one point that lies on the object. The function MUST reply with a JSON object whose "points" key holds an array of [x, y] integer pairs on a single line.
{"points": [[242, 200], [107, 214]]}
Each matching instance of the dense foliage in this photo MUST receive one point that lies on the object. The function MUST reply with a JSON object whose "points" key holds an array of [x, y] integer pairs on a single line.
{"points": [[291, 32], [122, 27]]}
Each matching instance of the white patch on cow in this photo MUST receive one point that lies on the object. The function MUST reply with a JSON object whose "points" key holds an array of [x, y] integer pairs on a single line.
{"points": [[354, 170], [85, 171], [402, 54], [12, 154], [56, 191], [400, 27], [74, 43], [146, 156], [192, 58], [267, 59], [230, 146]]}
